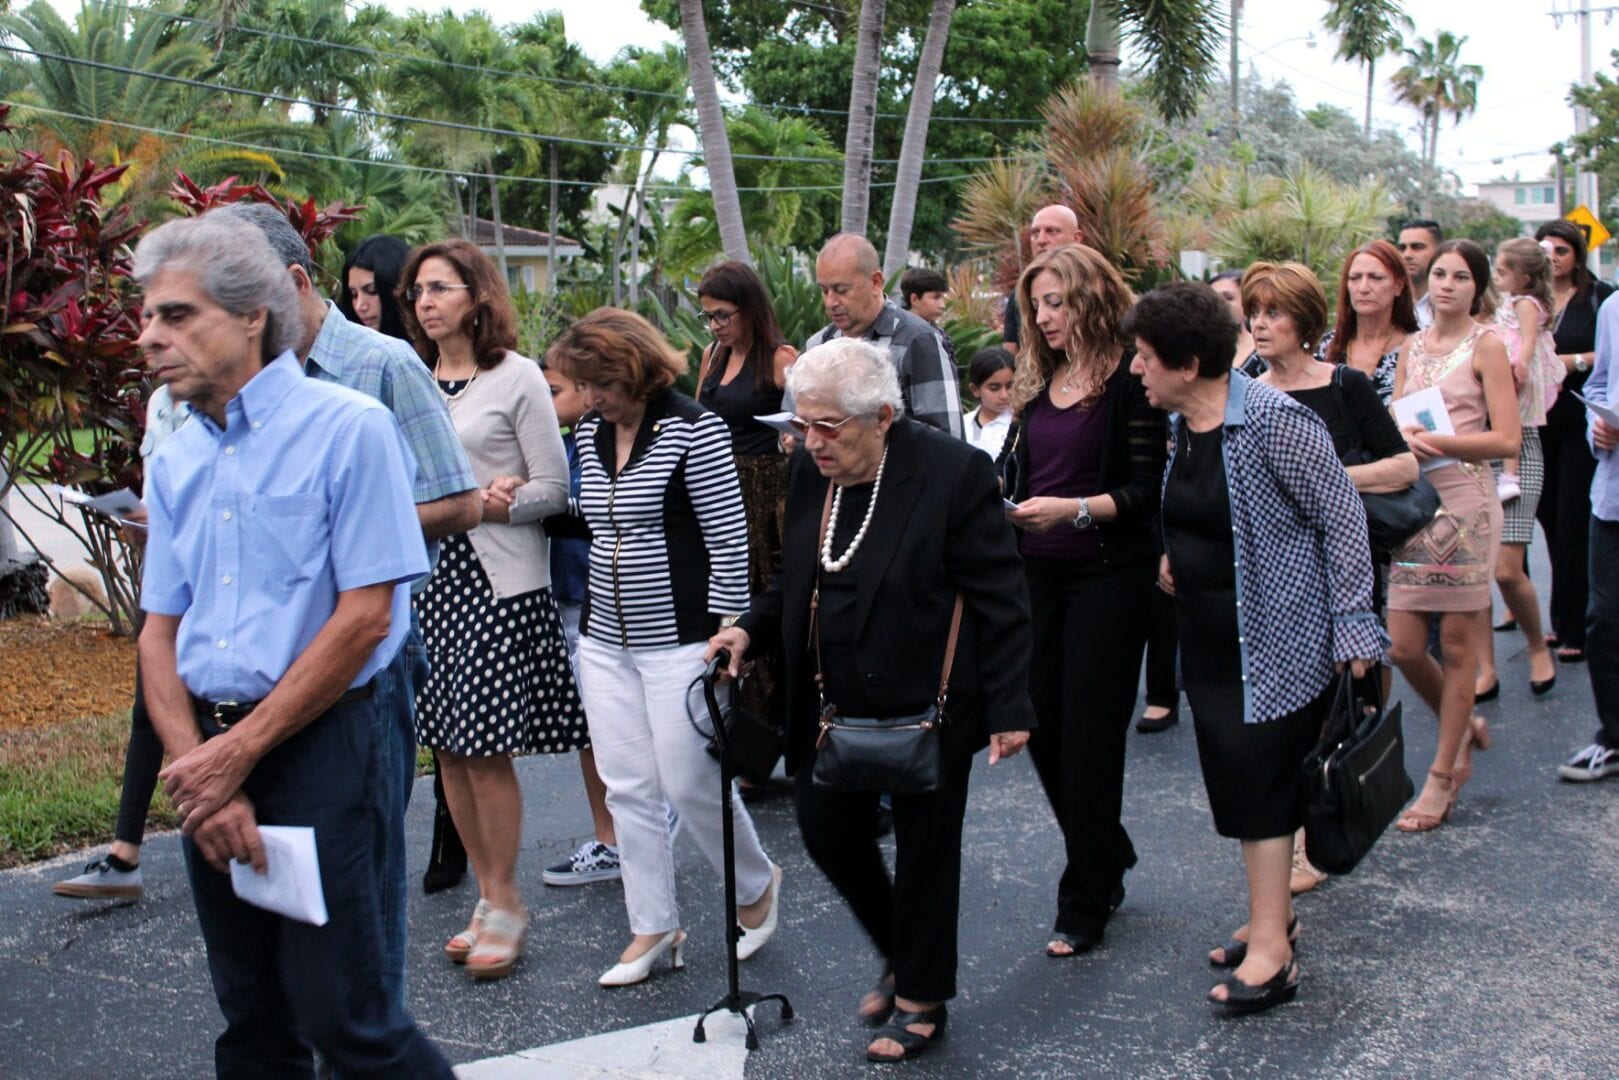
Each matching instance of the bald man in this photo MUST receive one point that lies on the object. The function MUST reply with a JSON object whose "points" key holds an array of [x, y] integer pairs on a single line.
{"points": [[1053, 226], [851, 281]]}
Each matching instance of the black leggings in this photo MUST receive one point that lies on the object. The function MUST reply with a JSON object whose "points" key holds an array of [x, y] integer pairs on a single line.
{"points": [[142, 760]]}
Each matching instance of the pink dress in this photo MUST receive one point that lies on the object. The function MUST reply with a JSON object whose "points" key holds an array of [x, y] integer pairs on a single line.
{"points": [[1449, 565]]}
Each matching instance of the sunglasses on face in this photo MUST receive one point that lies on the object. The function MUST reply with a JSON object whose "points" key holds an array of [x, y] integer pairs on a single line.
{"points": [[438, 290], [826, 429], [717, 319]]}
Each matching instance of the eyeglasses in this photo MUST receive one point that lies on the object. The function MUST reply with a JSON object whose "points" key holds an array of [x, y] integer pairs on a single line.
{"points": [[717, 319], [438, 290], [826, 429]]}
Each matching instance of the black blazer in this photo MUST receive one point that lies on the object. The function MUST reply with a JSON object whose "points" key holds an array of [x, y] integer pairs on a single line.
{"points": [[1135, 447], [939, 526]]}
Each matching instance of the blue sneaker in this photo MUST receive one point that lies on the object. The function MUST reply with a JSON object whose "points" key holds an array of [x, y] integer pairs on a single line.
{"points": [[101, 881], [594, 861]]}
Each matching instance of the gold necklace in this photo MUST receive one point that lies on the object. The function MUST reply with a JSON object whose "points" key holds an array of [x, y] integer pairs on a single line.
{"points": [[1067, 386], [439, 382]]}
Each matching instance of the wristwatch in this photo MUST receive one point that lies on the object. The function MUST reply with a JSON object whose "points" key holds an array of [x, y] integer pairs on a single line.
{"points": [[1581, 364], [1083, 520]]}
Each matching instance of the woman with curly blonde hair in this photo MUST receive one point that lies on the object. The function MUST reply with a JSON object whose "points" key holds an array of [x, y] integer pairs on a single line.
{"points": [[1084, 463]]}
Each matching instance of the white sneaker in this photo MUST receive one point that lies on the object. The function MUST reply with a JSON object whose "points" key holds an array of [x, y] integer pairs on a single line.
{"points": [[100, 881], [1593, 763]]}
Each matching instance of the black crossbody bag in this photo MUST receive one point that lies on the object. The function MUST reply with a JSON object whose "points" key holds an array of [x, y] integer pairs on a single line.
{"points": [[899, 754]]}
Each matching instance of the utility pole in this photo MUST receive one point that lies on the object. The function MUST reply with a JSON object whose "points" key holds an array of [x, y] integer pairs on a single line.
{"points": [[1586, 192], [1236, 105]]}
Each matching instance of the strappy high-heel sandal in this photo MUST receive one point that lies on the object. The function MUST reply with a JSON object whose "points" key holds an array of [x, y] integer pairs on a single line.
{"points": [[1234, 952], [1244, 998], [1476, 739], [459, 946], [910, 1042], [1417, 821], [492, 959]]}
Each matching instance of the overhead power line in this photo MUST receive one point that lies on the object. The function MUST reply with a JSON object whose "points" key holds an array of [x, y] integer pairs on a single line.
{"points": [[427, 169], [448, 125], [796, 110]]}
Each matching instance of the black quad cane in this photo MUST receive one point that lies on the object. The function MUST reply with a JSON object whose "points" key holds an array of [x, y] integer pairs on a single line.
{"points": [[736, 999]]}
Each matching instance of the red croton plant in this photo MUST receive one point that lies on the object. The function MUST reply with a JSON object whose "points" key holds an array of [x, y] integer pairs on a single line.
{"points": [[72, 388]]}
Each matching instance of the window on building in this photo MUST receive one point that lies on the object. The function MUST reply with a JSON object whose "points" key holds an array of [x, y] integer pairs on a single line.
{"points": [[1519, 196], [1549, 195]]}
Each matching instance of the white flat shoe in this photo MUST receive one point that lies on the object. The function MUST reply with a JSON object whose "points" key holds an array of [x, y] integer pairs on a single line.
{"points": [[753, 940], [637, 970]]}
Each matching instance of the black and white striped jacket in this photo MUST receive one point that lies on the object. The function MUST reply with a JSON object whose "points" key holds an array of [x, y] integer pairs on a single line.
{"points": [[669, 537]]}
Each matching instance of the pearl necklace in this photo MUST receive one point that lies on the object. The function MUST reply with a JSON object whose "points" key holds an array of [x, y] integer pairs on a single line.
{"points": [[440, 383], [831, 565]]}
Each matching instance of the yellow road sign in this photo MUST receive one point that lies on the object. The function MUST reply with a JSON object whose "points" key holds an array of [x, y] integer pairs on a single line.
{"points": [[1595, 234]]}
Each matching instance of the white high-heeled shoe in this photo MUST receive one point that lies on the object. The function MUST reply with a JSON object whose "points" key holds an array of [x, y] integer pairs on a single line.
{"points": [[753, 940], [631, 972]]}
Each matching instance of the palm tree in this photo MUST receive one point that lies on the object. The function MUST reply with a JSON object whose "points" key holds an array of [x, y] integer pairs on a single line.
{"points": [[1179, 40], [711, 129], [316, 53], [1367, 31], [914, 147], [660, 79], [862, 116], [1436, 84]]}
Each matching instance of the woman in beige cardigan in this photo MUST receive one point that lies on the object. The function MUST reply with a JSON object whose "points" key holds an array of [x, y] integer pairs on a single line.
{"points": [[500, 683]]}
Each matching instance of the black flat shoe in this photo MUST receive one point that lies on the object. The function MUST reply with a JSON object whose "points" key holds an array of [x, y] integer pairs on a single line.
{"points": [[1489, 695], [1151, 725], [1542, 687], [1078, 946], [1242, 998], [884, 989], [1506, 626], [1237, 951], [1568, 654], [911, 1044]]}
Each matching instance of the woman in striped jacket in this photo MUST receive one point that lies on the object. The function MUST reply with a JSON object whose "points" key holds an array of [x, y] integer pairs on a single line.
{"points": [[668, 567]]}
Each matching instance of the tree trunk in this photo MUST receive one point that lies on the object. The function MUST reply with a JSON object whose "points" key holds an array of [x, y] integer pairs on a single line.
{"points": [[711, 128], [500, 229], [1236, 82], [1371, 66], [472, 209], [862, 117], [635, 227], [914, 148], [1102, 47], [551, 225]]}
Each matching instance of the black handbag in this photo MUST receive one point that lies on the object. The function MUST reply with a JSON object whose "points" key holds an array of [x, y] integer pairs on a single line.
{"points": [[752, 743], [1397, 516], [898, 754], [1354, 780]]}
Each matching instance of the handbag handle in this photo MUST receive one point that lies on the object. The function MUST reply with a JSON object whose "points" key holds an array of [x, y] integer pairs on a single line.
{"points": [[815, 623]]}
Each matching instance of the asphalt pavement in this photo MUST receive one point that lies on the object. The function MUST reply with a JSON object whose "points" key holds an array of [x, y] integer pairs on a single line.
{"points": [[1487, 948]]}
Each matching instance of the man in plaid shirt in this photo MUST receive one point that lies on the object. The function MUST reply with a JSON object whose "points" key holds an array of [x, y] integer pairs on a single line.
{"points": [[851, 281]]}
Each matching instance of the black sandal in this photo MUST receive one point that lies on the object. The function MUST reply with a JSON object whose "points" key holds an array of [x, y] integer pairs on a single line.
{"points": [[911, 1043], [1237, 951], [884, 989], [1243, 998], [1077, 946]]}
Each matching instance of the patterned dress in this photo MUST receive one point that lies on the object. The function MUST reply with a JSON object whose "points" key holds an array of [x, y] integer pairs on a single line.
{"points": [[1449, 565]]}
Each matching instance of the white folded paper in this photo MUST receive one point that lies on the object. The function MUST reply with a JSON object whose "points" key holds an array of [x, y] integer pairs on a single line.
{"points": [[290, 885], [1605, 412], [1426, 409], [778, 421], [116, 504]]}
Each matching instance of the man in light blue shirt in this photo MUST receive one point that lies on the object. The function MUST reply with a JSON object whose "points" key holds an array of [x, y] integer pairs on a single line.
{"points": [[282, 543], [448, 500], [1601, 758]]}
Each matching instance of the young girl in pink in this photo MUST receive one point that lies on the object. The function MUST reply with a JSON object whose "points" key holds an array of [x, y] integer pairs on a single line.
{"points": [[1523, 277]]}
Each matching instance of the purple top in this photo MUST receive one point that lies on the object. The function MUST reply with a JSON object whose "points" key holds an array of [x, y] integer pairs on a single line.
{"points": [[1065, 460]]}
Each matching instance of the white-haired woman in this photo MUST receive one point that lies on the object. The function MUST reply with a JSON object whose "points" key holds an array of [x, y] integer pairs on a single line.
{"points": [[913, 520]]}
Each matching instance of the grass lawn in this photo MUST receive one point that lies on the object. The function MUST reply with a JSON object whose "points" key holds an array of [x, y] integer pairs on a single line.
{"points": [[83, 442], [59, 787]]}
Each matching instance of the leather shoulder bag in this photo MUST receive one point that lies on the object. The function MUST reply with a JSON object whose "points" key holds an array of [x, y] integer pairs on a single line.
{"points": [[894, 754]]}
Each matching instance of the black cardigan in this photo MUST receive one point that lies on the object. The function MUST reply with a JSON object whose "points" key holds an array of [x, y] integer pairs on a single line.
{"points": [[938, 527], [1135, 447]]}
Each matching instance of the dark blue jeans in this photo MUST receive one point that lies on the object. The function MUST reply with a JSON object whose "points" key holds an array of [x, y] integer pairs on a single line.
{"points": [[397, 687], [285, 986], [1602, 629]]}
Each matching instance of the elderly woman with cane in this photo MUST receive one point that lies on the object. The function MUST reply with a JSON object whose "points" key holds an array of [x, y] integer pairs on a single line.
{"points": [[901, 599]]}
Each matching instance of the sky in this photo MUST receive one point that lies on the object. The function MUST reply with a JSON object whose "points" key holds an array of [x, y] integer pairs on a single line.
{"points": [[1528, 64]]}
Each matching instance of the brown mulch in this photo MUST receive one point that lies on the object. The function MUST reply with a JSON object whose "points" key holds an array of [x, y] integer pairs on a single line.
{"points": [[53, 670]]}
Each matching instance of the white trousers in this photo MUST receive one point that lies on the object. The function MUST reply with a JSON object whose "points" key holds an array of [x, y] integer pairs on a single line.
{"points": [[649, 755]]}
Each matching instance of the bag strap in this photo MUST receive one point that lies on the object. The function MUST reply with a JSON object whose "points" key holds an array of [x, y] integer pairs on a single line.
{"points": [[815, 619]]}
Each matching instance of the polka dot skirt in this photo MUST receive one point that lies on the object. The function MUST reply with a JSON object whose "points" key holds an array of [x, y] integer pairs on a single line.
{"points": [[500, 681]]}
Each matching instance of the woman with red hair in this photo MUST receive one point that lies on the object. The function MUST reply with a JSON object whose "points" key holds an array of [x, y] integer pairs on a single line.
{"points": [[1375, 315]]}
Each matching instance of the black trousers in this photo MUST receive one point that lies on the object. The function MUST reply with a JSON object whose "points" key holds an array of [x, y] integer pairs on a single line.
{"points": [[911, 918], [1565, 513], [143, 758], [283, 985], [1602, 636], [1163, 647], [1090, 627]]}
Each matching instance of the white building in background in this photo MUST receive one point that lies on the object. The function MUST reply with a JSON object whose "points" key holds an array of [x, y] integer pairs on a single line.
{"points": [[1532, 202], [528, 251]]}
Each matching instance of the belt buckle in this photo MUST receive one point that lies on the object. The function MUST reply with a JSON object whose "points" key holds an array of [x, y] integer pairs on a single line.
{"points": [[227, 713]]}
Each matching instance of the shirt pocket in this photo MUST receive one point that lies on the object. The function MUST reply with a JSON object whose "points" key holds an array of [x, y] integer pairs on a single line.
{"points": [[288, 539]]}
